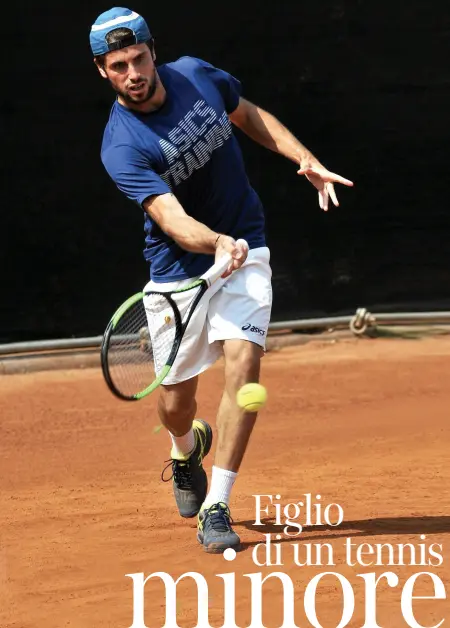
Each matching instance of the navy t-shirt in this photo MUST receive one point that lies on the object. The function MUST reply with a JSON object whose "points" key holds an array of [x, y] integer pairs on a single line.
{"points": [[186, 147]]}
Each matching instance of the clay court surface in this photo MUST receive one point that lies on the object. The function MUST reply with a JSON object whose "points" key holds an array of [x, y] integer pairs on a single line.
{"points": [[362, 422]]}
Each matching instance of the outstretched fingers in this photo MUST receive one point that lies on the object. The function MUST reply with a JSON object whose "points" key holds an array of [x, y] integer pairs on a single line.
{"points": [[325, 194], [336, 178], [325, 175], [332, 193]]}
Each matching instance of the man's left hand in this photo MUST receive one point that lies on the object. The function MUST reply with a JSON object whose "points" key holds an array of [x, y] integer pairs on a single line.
{"points": [[323, 180]]}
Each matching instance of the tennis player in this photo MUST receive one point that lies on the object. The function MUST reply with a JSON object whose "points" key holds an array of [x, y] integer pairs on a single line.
{"points": [[169, 147]]}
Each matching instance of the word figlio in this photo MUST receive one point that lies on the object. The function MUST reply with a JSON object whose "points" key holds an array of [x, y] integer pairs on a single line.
{"points": [[312, 513]]}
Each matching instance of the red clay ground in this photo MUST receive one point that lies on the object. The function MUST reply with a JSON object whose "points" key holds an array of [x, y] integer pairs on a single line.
{"points": [[363, 423]]}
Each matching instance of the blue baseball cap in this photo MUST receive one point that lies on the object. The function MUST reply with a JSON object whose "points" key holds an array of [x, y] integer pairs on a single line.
{"points": [[118, 17]]}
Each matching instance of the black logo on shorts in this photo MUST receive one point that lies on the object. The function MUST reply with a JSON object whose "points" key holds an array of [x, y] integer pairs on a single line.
{"points": [[255, 330]]}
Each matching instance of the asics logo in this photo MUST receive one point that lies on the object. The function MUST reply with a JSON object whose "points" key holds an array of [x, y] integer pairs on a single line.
{"points": [[252, 328]]}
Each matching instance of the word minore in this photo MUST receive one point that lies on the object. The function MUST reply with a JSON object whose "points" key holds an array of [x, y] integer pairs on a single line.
{"points": [[289, 598]]}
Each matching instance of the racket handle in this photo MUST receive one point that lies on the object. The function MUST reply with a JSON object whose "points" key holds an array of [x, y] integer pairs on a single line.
{"points": [[213, 273]]}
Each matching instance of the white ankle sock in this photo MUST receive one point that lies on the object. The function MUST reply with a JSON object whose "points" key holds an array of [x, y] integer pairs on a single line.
{"points": [[182, 445], [221, 484]]}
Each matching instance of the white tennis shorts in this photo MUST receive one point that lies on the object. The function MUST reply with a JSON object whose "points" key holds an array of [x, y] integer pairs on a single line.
{"points": [[237, 307]]}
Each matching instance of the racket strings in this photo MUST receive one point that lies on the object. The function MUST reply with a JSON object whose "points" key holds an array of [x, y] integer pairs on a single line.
{"points": [[166, 316], [132, 349], [143, 338]]}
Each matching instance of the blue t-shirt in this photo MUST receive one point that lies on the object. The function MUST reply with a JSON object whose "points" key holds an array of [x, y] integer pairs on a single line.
{"points": [[186, 147]]}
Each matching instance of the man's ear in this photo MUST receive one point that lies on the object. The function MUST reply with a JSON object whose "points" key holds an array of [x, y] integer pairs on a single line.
{"points": [[101, 69]]}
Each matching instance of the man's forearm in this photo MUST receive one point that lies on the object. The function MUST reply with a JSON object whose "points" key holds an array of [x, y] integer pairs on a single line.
{"points": [[264, 128], [192, 236]]}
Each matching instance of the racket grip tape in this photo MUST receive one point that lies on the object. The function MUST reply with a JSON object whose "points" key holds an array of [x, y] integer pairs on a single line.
{"points": [[213, 273]]}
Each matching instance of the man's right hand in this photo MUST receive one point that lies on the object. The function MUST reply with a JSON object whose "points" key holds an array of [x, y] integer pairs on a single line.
{"points": [[227, 245]]}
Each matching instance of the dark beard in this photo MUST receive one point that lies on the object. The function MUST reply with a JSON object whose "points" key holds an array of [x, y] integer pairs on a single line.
{"points": [[151, 89]]}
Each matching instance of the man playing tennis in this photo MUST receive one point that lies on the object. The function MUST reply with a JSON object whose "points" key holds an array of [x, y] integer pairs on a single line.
{"points": [[169, 147]]}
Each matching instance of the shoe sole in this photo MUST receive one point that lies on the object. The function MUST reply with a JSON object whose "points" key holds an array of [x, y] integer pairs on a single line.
{"points": [[217, 548]]}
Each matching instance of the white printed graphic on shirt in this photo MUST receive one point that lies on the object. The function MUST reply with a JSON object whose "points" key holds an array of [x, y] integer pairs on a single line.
{"points": [[193, 141]]}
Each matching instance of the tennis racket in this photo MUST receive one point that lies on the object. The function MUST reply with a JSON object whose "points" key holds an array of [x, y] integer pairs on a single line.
{"points": [[143, 337]]}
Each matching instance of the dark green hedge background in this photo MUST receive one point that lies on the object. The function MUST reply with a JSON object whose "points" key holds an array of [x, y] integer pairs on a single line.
{"points": [[366, 86]]}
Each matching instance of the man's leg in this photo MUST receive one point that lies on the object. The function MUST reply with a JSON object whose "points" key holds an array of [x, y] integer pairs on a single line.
{"points": [[242, 365], [176, 408], [191, 442]]}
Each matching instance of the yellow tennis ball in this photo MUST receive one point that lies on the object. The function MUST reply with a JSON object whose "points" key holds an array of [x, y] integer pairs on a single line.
{"points": [[251, 397]]}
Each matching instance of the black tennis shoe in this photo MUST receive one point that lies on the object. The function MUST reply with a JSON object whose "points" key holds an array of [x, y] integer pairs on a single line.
{"points": [[190, 482]]}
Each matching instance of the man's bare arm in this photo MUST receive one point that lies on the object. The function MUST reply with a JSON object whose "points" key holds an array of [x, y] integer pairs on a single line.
{"points": [[264, 128], [190, 234], [187, 232]]}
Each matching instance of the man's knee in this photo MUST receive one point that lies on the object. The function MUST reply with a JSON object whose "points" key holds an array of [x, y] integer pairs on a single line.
{"points": [[242, 363], [178, 400]]}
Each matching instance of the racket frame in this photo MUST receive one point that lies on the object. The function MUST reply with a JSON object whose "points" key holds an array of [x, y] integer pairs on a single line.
{"points": [[204, 282], [180, 327]]}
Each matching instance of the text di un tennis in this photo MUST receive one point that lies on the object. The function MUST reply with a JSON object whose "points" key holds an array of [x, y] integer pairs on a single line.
{"points": [[282, 526]]}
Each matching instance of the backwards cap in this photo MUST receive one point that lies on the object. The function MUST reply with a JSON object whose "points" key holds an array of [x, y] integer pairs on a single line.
{"points": [[118, 17]]}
